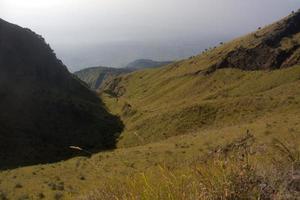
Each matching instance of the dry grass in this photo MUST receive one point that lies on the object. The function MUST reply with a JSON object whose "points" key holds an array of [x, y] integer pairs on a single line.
{"points": [[180, 155], [232, 172], [195, 103]]}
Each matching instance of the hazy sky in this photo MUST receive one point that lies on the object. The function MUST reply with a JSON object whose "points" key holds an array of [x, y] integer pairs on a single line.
{"points": [[76, 26]]}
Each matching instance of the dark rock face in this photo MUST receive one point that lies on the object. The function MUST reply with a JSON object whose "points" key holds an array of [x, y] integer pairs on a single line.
{"points": [[114, 88], [261, 57], [286, 28], [268, 54], [44, 109]]}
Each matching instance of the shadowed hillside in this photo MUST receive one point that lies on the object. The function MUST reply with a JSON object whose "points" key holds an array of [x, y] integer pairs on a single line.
{"points": [[44, 109]]}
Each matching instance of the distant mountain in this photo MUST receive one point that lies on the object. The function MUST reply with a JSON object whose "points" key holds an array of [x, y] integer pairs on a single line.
{"points": [[121, 53], [95, 76], [146, 63], [44, 108]]}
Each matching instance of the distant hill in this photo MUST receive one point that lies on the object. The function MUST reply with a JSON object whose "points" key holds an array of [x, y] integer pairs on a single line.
{"points": [[146, 63], [44, 108], [95, 76]]}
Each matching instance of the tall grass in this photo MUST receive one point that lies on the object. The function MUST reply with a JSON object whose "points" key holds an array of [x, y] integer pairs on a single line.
{"points": [[215, 180], [231, 172]]}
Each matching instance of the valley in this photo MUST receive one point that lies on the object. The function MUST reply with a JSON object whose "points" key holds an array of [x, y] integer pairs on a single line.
{"points": [[224, 124]]}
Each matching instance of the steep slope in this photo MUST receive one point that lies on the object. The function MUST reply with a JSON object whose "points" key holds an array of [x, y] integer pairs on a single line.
{"points": [[223, 86], [146, 63], [44, 109], [95, 76], [276, 46]]}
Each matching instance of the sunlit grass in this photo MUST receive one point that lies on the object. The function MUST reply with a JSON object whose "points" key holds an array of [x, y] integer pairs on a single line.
{"points": [[232, 172]]}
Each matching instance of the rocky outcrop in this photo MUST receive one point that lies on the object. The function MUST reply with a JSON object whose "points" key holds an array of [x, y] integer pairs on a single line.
{"points": [[269, 53]]}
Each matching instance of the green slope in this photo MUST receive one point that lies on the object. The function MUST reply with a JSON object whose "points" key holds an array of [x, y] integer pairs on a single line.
{"points": [[95, 76], [146, 63], [200, 93], [155, 110]]}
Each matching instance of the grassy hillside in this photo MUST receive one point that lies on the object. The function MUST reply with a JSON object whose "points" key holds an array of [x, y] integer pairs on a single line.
{"points": [[95, 76], [195, 129], [200, 93], [155, 109], [44, 109]]}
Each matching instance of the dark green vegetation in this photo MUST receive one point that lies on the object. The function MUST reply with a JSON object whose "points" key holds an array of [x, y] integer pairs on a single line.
{"points": [[44, 109], [146, 63], [95, 76], [215, 126]]}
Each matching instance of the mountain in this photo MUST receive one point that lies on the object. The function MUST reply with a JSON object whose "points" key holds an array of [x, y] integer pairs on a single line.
{"points": [[236, 82], [44, 108], [95, 76], [146, 63]]}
